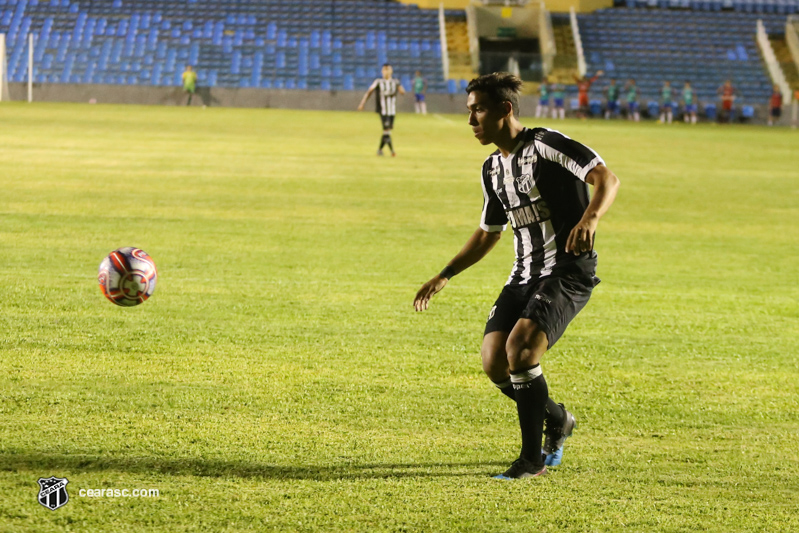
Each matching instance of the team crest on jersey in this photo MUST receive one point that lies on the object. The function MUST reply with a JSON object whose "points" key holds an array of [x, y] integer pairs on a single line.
{"points": [[524, 183]]}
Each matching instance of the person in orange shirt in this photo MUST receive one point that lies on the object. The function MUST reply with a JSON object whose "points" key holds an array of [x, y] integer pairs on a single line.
{"points": [[727, 93], [795, 109], [775, 106], [583, 85]]}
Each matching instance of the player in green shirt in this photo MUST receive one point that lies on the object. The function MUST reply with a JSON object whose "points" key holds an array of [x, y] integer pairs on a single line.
{"points": [[666, 103], [419, 90], [632, 100], [612, 106], [559, 95], [189, 82], [543, 99], [690, 104]]}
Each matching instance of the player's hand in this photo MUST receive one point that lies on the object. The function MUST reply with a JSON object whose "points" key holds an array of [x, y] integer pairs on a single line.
{"points": [[581, 238], [360, 106], [422, 300]]}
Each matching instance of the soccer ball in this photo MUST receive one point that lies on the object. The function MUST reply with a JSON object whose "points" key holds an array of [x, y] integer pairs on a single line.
{"points": [[127, 276]]}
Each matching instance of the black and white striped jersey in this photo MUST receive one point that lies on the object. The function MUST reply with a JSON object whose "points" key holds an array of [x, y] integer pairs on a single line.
{"points": [[386, 94], [540, 190]]}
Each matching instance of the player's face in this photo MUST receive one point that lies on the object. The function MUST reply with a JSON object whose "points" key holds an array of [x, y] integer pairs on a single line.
{"points": [[387, 72], [485, 117]]}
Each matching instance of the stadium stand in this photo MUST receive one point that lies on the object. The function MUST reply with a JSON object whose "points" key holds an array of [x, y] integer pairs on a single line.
{"points": [[302, 44], [340, 44], [703, 46], [783, 7]]}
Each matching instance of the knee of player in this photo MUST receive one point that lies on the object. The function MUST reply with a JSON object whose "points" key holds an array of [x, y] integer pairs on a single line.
{"points": [[523, 349], [493, 361], [514, 349]]}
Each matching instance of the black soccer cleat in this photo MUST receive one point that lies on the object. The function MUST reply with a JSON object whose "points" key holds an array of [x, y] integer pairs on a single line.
{"points": [[556, 437], [522, 468]]}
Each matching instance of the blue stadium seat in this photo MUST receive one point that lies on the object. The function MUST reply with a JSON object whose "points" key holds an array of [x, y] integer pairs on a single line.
{"points": [[148, 43]]}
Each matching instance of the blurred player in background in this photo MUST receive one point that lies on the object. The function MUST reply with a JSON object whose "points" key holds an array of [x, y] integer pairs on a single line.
{"points": [[537, 180], [666, 103], [387, 89], [419, 90], [543, 99], [689, 103], [775, 106], [189, 83], [631, 96], [795, 110], [612, 103], [727, 93], [583, 86], [558, 97]]}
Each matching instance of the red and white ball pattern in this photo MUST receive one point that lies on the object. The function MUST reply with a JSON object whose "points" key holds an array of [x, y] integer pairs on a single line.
{"points": [[127, 276]]}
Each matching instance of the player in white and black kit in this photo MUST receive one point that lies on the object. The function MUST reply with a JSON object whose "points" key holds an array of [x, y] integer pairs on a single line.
{"points": [[387, 89], [538, 182]]}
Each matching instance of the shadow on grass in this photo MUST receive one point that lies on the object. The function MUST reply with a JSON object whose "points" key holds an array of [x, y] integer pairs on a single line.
{"points": [[46, 464]]}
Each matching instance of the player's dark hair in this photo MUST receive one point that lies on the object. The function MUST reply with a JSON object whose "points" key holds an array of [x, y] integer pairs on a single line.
{"points": [[386, 65], [500, 87]]}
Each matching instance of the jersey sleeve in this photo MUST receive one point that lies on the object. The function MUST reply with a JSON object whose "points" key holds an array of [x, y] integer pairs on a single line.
{"points": [[568, 153], [374, 84], [493, 218]]}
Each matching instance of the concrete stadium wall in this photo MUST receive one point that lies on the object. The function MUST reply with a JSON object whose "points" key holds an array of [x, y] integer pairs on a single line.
{"points": [[219, 97], [263, 98]]}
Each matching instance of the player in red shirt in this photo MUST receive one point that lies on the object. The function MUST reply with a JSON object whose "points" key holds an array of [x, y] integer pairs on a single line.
{"points": [[583, 85], [727, 93], [775, 103], [795, 110]]}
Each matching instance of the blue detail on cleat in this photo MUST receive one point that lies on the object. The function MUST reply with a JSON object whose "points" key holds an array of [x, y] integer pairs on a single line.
{"points": [[556, 437], [554, 459]]}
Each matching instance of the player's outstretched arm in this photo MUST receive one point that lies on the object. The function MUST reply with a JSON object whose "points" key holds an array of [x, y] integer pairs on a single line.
{"points": [[479, 244], [366, 96], [605, 182]]}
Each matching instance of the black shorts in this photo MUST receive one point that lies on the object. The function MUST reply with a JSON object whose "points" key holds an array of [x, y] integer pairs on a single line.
{"points": [[551, 302], [776, 112], [388, 121]]}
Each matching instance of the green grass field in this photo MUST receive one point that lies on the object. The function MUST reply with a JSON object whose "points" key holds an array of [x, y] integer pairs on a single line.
{"points": [[279, 380]]}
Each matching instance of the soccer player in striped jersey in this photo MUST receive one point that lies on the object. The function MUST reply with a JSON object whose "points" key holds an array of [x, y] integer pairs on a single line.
{"points": [[387, 89], [538, 182]]}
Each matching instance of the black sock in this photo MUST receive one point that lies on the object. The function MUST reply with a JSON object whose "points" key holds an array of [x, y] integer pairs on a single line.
{"points": [[506, 388], [531, 392], [383, 141], [555, 414], [388, 141]]}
